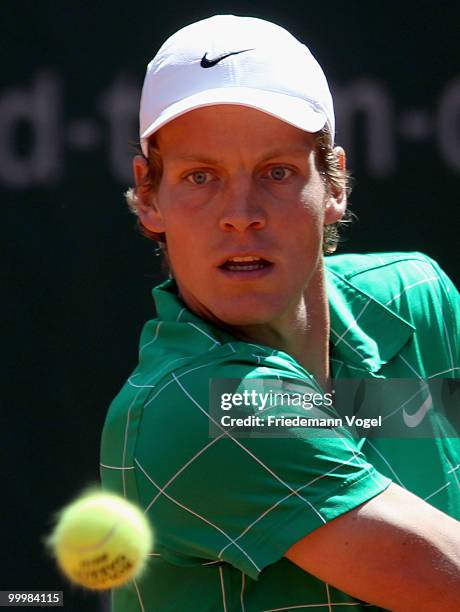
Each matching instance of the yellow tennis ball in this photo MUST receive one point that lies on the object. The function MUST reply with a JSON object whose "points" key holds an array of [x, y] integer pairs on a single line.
{"points": [[101, 540]]}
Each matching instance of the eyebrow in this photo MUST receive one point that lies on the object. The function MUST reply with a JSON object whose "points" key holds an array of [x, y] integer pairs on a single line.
{"points": [[280, 152]]}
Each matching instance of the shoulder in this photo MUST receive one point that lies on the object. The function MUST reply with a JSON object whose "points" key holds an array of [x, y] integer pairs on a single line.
{"points": [[362, 267], [177, 390], [237, 362]]}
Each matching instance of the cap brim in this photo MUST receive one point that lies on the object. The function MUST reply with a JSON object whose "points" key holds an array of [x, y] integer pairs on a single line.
{"points": [[295, 111]]}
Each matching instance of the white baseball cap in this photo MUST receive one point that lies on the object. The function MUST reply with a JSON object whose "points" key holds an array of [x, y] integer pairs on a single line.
{"points": [[227, 59]]}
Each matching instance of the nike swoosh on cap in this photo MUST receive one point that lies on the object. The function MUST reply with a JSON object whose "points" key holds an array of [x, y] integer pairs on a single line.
{"points": [[208, 63]]}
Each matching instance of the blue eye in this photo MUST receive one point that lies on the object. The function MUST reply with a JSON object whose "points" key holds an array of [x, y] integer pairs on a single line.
{"points": [[278, 173], [198, 178]]}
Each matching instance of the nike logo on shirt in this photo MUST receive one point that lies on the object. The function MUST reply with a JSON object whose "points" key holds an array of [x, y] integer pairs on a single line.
{"points": [[209, 63], [412, 420]]}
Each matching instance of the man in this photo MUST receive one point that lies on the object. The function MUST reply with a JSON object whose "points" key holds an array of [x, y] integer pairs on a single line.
{"points": [[241, 184]]}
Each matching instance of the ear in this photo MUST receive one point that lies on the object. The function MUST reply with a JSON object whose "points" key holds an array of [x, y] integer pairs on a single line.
{"points": [[147, 205], [336, 201]]}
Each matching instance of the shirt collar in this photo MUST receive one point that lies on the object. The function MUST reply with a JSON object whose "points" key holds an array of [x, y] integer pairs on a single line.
{"points": [[171, 308], [364, 332]]}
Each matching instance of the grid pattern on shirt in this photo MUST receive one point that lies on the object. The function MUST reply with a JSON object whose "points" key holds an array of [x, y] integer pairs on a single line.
{"points": [[225, 508]]}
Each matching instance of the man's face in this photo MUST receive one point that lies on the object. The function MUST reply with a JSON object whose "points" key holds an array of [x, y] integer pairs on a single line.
{"points": [[243, 206]]}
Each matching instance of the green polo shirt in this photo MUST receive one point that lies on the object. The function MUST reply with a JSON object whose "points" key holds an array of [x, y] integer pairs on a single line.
{"points": [[225, 509]]}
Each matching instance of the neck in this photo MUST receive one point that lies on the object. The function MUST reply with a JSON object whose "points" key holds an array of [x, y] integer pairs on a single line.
{"points": [[303, 332]]}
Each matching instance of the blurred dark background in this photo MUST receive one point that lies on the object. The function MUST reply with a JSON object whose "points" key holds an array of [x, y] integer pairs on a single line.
{"points": [[78, 276]]}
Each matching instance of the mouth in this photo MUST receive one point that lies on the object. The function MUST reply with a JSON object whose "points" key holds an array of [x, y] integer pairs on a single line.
{"points": [[246, 265]]}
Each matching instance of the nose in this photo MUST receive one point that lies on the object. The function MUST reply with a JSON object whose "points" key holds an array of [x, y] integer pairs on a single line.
{"points": [[242, 209]]}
